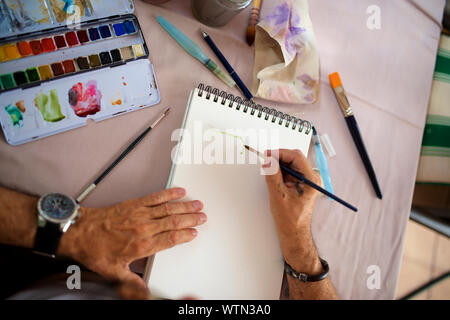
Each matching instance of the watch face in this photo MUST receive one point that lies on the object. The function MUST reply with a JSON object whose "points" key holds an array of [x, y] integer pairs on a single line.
{"points": [[57, 206]]}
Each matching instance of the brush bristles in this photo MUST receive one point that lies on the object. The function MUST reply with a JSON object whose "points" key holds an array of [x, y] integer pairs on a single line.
{"points": [[254, 151]]}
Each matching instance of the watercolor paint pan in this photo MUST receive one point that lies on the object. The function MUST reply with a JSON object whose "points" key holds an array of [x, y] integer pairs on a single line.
{"points": [[83, 63], [48, 44], [20, 77], [94, 61], [68, 66], [45, 72], [36, 47], [24, 48], [33, 75], [94, 34], [60, 41], [57, 69], [115, 55], [83, 36], [72, 38], [105, 58], [119, 29], [105, 31], [7, 81]]}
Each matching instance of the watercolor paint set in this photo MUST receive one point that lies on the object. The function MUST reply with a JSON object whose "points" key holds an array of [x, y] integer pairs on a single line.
{"points": [[55, 75]]}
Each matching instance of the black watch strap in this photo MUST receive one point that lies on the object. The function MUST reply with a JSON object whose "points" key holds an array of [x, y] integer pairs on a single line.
{"points": [[306, 277], [47, 238]]}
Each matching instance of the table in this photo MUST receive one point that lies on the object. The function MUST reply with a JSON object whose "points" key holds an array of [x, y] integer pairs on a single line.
{"points": [[387, 74]]}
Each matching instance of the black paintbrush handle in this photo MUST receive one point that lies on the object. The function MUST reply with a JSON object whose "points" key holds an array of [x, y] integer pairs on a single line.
{"points": [[356, 135], [122, 155], [229, 68], [302, 178]]}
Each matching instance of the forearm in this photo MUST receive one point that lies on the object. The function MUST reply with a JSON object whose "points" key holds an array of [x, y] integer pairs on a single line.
{"points": [[301, 254], [18, 218]]}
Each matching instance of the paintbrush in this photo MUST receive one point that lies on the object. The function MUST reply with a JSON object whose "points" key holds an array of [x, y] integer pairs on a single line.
{"points": [[93, 185], [194, 50], [253, 21], [227, 66], [303, 179], [336, 84]]}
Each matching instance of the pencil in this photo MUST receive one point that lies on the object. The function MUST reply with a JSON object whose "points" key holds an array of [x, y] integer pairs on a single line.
{"points": [[93, 185], [305, 180], [227, 66], [352, 125]]}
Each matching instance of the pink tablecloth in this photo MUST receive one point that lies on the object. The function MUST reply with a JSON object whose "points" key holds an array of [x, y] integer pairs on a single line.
{"points": [[387, 74]]}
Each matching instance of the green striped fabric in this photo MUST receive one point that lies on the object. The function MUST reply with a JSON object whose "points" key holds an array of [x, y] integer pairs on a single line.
{"points": [[442, 69], [434, 166]]}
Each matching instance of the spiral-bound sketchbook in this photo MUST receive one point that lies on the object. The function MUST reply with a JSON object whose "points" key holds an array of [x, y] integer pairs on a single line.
{"points": [[236, 254]]}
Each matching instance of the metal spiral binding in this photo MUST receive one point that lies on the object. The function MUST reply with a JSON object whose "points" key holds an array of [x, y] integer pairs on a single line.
{"points": [[255, 109]]}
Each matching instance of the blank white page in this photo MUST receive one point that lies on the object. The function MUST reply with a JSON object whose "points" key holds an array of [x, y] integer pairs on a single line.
{"points": [[236, 254]]}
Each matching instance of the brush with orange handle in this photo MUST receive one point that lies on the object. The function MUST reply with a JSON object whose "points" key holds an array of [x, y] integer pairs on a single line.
{"points": [[336, 84], [253, 21]]}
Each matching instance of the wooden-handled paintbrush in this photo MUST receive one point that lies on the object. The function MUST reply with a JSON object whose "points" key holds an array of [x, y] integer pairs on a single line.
{"points": [[94, 184], [253, 21]]}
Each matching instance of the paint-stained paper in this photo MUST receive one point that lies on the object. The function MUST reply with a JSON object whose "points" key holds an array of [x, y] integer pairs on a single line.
{"points": [[286, 65]]}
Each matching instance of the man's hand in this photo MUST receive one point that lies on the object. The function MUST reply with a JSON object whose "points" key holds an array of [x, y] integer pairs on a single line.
{"points": [[292, 204], [107, 240]]}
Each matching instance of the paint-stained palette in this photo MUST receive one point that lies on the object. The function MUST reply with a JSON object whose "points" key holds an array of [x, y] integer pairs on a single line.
{"points": [[66, 103], [24, 16]]}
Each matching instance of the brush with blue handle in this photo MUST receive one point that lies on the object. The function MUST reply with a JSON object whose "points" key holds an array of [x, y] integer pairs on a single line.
{"points": [[194, 50], [303, 179]]}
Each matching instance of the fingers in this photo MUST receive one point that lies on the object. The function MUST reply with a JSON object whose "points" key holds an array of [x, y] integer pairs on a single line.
{"points": [[180, 221], [168, 239], [172, 208], [296, 160], [160, 197], [280, 183]]}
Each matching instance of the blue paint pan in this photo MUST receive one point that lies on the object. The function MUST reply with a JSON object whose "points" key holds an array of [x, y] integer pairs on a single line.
{"points": [[105, 31], [119, 29], [93, 34], [129, 26]]}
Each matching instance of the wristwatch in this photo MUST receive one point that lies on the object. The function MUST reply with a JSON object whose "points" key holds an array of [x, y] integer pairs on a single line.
{"points": [[56, 213]]}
